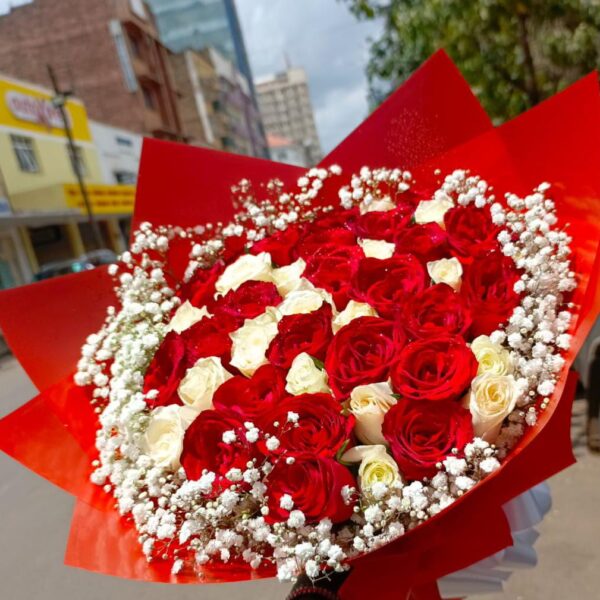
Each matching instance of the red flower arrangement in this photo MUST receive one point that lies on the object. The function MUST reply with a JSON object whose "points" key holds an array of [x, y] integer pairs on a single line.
{"points": [[320, 389]]}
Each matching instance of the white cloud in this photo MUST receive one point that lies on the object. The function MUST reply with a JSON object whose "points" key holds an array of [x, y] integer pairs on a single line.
{"points": [[324, 38]]}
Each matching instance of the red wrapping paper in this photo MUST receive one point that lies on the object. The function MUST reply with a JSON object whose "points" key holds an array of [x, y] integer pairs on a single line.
{"points": [[420, 128]]}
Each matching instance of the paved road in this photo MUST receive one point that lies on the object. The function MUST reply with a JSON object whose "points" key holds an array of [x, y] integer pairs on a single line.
{"points": [[34, 521]]}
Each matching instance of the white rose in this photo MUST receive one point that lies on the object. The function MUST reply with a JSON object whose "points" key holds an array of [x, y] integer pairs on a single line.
{"points": [[433, 211], [163, 440], [201, 382], [288, 278], [352, 311], [376, 465], [492, 358], [369, 404], [491, 399], [250, 342], [185, 316], [446, 270], [381, 205], [377, 248], [249, 267], [305, 299], [304, 377]]}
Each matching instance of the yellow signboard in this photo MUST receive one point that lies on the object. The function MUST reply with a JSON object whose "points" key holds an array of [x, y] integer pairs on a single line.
{"points": [[105, 199], [29, 108]]}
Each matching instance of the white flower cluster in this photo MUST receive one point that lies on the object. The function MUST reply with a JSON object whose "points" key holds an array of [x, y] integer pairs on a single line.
{"points": [[192, 522]]}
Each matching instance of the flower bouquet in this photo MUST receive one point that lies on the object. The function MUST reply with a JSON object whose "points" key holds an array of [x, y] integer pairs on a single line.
{"points": [[360, 368]]}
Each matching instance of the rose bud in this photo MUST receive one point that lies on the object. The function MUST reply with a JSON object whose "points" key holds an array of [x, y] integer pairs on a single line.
{"points": [[368, 404], [376, 466], [314, 485], [248, 398], [422, 434], [362, 352], [309, 332], [206, 445], [201, 382], [437, 310], [434, 369], [491, 399], [320, 428], [387, 284]]}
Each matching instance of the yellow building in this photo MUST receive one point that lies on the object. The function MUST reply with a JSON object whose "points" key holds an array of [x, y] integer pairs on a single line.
{"points": [[43, 215]]}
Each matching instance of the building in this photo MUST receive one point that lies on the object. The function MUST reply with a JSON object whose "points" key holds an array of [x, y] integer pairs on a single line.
{"points": [[200, 24], [119, 152], [42, 212], [286, 110], [216, 105], [107, 51], [283, 150]]}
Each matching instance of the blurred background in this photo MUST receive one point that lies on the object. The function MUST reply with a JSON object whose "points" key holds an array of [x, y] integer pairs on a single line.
{"points": [[82, 82]]}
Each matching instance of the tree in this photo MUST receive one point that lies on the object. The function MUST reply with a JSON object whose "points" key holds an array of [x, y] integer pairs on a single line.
{"points": [[514, 53]]}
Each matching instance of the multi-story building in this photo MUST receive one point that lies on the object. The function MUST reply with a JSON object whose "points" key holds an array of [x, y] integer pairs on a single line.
{"points": [[43, 217], [286, 109], [216, 105], [199, 24], [119, 152], [107, 51], [285, 151]]}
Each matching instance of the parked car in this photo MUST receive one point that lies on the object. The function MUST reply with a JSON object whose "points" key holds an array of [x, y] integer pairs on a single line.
{"points": [[94, 258]]}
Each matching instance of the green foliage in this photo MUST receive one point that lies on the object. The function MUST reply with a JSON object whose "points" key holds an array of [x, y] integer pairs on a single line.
{"points": [[514, 53]]}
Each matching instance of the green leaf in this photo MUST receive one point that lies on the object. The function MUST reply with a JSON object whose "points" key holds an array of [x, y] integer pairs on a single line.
{"points": [[318, 363]]}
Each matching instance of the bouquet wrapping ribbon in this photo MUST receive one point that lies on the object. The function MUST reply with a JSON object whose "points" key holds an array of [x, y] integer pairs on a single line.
{"points": [[432, 122]]}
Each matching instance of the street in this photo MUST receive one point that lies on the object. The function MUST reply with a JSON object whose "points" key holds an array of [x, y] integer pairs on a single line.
{"points": [[34, 525]]}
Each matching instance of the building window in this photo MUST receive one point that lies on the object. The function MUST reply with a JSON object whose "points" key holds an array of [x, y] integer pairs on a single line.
{"points": [[78, 161], [125, 177], [123, 141], [25, 153], [136, 46], [149, 100]]}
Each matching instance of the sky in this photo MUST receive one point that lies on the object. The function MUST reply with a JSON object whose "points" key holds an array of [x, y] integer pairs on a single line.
{"points": [[319, 35], [326, 39]]}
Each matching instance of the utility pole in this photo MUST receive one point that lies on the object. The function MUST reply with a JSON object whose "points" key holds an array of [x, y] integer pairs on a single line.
{"points": [[59, 101]]}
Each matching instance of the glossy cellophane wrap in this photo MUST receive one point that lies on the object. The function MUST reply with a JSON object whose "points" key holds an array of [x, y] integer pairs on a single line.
{"points": [[432, 122]]}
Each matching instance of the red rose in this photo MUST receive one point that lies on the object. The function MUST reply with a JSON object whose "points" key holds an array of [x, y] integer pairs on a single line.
{"points": [[235, 246], [210, 337], [488, 287], [310, 333], [280, 245], [422, 434], [362, 352], [200, 290], [437, 369], [178, 257], [247, 301], [315, 485], [331, 268], [322, 428], [204, 448], [316, 239], [437, 310], [166, 370], [387, 284], [427, 242], [470, 230], [336, 219], [383, 225], [248, 398]]}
